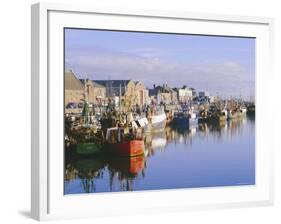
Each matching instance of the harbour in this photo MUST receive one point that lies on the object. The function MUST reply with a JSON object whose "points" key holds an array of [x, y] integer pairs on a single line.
{"points": [[128, 147]]}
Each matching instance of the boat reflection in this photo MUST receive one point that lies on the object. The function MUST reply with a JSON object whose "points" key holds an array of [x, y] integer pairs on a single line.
{"points": [[123, 173], [121, 169], [87, 171]]}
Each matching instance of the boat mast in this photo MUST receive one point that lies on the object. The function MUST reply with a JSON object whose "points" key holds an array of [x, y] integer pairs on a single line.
{"points": [[85, 111], [120, 97]]}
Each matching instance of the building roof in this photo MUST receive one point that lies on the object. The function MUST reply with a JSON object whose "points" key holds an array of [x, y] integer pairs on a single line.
{"points": [[83, 81], [161, 89], [112, 86], [112, 83], [97, 85], [165, 89], [71, 82]]}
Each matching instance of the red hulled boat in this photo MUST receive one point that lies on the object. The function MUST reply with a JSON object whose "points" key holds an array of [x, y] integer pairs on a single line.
{"points": [[129, 144], [129, 148]]}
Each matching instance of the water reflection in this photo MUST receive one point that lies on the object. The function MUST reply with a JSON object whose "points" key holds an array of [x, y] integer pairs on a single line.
{"points": [[87, 171], [166, 163], [124, 171]]}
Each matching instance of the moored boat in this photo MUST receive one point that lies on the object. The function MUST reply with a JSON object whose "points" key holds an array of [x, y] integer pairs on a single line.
{"points": [[181, 119], [251, 110], [158, 120], [185, 120], [125, 144], [232, 114], [218, 116], [203, 116], [141, 122], [129, 148]]}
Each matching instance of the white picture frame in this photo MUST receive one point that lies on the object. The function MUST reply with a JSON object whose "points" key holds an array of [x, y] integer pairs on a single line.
{"points": [[47, 201]]}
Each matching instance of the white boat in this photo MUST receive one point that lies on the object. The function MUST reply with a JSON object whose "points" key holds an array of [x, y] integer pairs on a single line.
{"points": [[158, 121], [141, 122]]}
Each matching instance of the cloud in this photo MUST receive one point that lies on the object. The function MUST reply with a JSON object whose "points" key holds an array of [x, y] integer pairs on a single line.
{"points": [[148, 52], [226, 78]]}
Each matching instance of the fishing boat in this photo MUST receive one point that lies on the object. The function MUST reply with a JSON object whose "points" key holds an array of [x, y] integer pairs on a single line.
{"points": [[218, 117], [232, 114], [140, 122], [125, 144], [181, 119], [203, 116], [251, 110], [158, 120], [85, 140], [184, 119], [223, 115]]}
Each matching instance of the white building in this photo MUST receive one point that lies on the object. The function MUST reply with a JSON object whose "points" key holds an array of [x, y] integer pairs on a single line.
{"points": [[185, 94]]}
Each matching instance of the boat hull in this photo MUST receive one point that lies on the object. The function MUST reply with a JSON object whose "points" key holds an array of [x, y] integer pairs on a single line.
{"points": [[88, 148], [182, 122], [185, 122], [129, 148], [203, 119], [217, 119]]}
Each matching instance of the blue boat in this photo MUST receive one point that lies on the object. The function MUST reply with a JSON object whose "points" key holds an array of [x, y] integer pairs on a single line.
{"points": [[185, 120], [181, 120]]}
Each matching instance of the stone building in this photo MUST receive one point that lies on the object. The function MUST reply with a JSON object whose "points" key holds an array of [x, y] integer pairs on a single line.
{"points": [[116, 87], [141, 93], [96, 93], [74, 90], [125, 90], [99, 93], [103, 91], [163, 94]]}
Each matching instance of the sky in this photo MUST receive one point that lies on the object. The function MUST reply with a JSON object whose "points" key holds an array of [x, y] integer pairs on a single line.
{"points": [[223, 66]]}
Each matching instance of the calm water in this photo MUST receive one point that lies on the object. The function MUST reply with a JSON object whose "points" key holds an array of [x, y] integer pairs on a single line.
{"points": [[210, 155]]}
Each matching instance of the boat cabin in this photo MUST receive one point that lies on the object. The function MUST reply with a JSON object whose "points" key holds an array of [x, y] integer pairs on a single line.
{"points": [[120, 134]]}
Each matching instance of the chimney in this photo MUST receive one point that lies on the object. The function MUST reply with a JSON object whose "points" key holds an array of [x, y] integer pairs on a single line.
{"points": [[154, 86]]}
